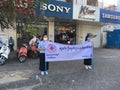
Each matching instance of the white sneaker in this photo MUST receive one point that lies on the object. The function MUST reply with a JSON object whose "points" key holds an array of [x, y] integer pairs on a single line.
{"points": [[42, 73], [86, 67], [46, 72], [89, 67]]}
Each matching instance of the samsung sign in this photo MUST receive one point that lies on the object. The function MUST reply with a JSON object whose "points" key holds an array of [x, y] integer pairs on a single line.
{"points": [[55, 9], [108, 16]]}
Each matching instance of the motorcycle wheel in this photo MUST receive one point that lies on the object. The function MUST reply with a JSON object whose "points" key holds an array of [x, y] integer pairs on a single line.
{"points": [[22, 59], [2, 61], [34, 55]]}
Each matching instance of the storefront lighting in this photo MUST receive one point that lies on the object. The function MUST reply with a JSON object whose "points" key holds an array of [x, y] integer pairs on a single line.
{"points": [[64, 28]]}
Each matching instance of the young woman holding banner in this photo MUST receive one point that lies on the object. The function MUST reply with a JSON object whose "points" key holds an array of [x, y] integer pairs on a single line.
{"points": [[88, 62], [43, 65]]}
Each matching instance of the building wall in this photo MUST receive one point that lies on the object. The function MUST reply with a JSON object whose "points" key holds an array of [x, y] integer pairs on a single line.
{"points": [[82, 31], [79, 33], [84, 2], [96, 30], [51, 31], [3, 34], [6, 33], [104, 39], [118, 5]]}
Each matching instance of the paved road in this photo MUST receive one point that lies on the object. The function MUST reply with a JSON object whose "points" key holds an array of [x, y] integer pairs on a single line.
{"points": [[69, 75]]}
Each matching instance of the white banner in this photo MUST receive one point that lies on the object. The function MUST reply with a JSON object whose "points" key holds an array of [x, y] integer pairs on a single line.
{"points": [[62, 52]]}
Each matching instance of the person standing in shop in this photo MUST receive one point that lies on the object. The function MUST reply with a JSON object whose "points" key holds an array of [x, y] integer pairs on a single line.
{"points": [[63, 39], [43, 65], [11, 44]]}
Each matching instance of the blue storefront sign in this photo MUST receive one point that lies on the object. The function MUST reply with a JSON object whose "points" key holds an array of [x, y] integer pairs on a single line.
{"points": [[108, 16], [55, 8]]}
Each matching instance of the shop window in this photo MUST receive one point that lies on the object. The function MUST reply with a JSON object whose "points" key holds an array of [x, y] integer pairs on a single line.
{"points": [[25, 34], [92, 2], [68, 30]]}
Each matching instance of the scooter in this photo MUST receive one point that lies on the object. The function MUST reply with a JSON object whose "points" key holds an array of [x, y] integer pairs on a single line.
{"points": [[22, 54], [4, 52]]}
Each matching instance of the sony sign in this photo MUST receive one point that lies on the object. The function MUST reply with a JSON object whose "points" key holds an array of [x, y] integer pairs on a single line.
{"points": [[55, 8]]}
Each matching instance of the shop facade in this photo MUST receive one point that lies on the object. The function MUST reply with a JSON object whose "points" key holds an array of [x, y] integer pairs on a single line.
{"points": [[88, 22], [73, 20], [61, 22], [111, 21]]}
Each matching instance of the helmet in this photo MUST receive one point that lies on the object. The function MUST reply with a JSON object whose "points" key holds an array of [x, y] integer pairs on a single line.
{"points": [[24, 45], [5, 42]]}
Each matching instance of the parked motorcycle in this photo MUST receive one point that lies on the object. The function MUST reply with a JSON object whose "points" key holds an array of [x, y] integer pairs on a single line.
{"points": [[22, 53], [4, 52], [33, 51]]}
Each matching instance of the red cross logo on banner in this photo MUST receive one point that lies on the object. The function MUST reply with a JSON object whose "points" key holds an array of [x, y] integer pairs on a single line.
{"points": [[52, 47]]}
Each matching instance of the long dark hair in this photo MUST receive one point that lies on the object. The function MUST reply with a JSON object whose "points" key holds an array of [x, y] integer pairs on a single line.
{"points": [[43, 36], [87, 36]]}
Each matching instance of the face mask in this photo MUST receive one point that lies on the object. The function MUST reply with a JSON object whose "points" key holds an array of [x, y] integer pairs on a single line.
{"points": [[89, 39], [45, 39]]}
